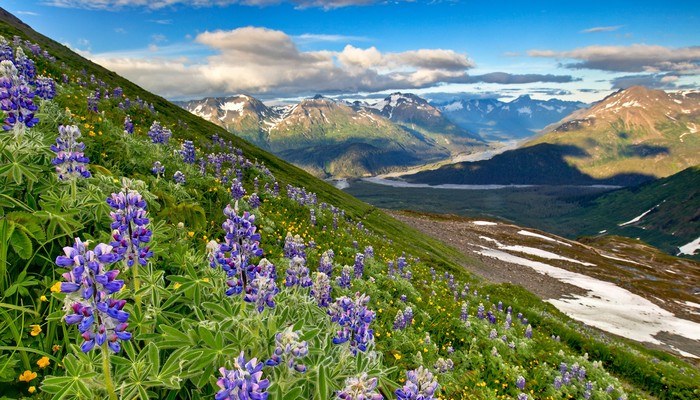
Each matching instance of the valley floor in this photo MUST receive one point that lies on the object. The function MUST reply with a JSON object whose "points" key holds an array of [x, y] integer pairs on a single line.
{"points": [[551, 267]]}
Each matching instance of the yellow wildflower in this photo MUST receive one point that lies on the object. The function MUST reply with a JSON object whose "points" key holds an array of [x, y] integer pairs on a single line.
{"points": [[177, 286], [43, 298], [56, 288], [397, 356], [32, 389], [205, 279], [190, 233], [27, 376], [43, 362], [36, 330]]}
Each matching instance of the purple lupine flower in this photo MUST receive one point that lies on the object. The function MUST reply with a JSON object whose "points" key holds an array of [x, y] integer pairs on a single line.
{"points": [[528, 331], [16, 98], [343, 280], [25, 66], [354, 318], [359, 388], [403, 298], [493, 334], [369, 252], [359, 265], [464, 315], [179, 178], [237, 190], [399, 321], [581, 374], [408, 316], [325, 264], [557, 382], [523, 396], [491, 317], [130, 234], [354, 244], [520, 382], [480, 311], [6, 52], [241, 244], [92, 103], [297, 273], [442, 365], [243, 381], [261, 291], [128, 125], [509, 320], [566, 379], [117, 92], [420, 385], [256, 184], [254, 201], [99, 317], [70, 160], [321, 289], [294, 246], [610, 389], [188, 152], [288, 350], [312, 217], [45, 88], [159, 134], [158, 168], [563, 368]]}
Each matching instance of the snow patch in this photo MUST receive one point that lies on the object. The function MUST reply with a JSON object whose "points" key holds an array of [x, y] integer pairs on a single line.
{"points": [[620, 259], [484, 223], [525, 110], [457, 105], [690, 248], [233, 106], [535, 252], [610, 307], [537, 235], [639, 217]]}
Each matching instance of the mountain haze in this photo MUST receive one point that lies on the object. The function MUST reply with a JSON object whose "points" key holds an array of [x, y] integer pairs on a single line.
{"points": [[496, 120]]}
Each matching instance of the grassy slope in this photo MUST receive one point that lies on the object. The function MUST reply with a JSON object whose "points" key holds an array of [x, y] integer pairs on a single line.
{"points": [[430, 250]]}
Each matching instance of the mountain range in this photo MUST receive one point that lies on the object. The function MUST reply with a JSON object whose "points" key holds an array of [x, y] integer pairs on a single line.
{"points": [[496, 120], [631, 136], [336, 138]]}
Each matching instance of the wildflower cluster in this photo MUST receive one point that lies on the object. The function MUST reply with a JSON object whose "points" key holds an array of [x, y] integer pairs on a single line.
{"points": [[128, 125], [288, 350], [294, 246], [241, 244], [297, 273], [158, 169], [130, 234], [354, 318], [16, 97], [343, 280], [359, 388], [187, 152], [262, 288], [159, 134], [243, 381], [100, 318], [237, 190], [420, 385], [325, 264], [321, 289], [70, 160]]}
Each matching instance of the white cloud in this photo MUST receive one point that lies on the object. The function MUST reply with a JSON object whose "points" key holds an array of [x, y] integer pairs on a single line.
{"points": [[31, 13], [634, 58], [597, 29], [265, 61]]}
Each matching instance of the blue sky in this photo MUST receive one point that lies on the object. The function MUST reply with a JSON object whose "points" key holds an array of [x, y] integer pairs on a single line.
{"points": [[274, 49]]}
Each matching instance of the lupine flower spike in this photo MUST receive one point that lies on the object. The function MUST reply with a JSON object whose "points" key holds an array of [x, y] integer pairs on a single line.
{"points": [[100, 318]]}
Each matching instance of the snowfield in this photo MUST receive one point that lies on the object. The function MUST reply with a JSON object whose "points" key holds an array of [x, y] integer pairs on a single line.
{"points": [[609, 307]]}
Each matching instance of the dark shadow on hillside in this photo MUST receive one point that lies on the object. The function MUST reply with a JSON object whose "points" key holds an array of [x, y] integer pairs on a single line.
{"points": [[643, 150], [542, 164]]}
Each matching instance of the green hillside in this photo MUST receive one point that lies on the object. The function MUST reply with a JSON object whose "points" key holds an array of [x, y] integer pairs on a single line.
{"points": [[672, 207], [166, 254]]}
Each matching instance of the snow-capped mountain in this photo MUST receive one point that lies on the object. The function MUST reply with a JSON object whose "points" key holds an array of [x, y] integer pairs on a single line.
{"points": [[318, 132], [497, 120]]}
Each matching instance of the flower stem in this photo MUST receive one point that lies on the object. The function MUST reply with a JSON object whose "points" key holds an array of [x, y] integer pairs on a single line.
{"points": [[109, 384]]}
